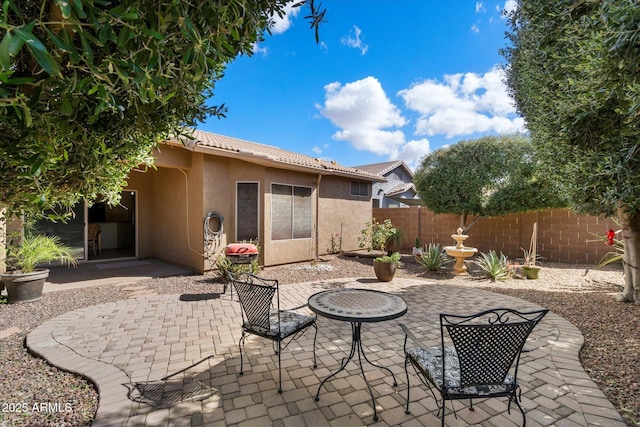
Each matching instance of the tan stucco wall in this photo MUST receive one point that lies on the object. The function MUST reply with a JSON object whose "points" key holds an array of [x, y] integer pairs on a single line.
{"points": [[169, 216], [341, 215], [220, 178], [187, 185]]}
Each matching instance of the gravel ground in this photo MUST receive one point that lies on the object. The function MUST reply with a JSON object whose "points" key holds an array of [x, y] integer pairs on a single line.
{"points": [[581, 294]]}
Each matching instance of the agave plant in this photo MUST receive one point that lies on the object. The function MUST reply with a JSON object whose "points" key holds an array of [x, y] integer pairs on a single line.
{"points": [[494, 265], [433, 258]]}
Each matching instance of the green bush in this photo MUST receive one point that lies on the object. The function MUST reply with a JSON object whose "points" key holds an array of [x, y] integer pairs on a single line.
{"points": [[38, 249], [377, 235], [495, 266], [225, 266], [394, 257], [433, 258]]}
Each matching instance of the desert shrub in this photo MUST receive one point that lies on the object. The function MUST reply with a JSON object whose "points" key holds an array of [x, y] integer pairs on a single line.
{"points": [[225, 266], [494, 266], [433, 257]]}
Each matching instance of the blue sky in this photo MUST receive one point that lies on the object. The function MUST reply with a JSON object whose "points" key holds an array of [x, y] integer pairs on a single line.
{"points": [[390, 79]]}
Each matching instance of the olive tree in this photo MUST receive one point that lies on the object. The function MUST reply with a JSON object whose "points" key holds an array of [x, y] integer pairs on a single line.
{"points": [[89, 87], [494, 175], [574, 74]]}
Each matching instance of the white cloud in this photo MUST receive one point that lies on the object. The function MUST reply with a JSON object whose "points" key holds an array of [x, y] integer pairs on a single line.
{"points": [[509, 6], [316, 149], [413, 151], [281, 24], [369, 121], [261, 50], [475, 28], [354, 40], [365, 115], [463, 104], [480, 7]]}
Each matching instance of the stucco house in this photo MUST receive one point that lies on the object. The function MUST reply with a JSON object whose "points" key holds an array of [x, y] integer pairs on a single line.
{"points": [[397, 190], [211, 190]]}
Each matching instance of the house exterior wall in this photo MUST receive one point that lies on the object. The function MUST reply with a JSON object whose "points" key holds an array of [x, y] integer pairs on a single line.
{"points": [[341, 215], [169, 213], [174, 199], [395, 177]]}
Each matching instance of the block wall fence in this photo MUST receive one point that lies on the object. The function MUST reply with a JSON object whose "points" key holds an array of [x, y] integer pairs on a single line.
{"points": [[563, 235]]}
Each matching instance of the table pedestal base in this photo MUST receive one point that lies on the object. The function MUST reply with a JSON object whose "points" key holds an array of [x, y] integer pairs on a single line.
{"points": [[356, 347]]}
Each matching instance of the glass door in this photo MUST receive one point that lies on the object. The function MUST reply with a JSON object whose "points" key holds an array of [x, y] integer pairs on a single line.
{"points": [[71, 232]]}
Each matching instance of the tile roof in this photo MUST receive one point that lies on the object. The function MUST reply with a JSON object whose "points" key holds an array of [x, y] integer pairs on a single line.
{"points": [[401, 188], [385, 167], [267, 155]]}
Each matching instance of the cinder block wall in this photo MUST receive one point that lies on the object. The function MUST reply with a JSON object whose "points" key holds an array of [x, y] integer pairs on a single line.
{"points": [[563, 235]]}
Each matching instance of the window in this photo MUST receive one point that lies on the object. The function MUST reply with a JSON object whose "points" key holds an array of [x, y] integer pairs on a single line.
{"points": [[359, 188], [247, 197], [290, 212]]}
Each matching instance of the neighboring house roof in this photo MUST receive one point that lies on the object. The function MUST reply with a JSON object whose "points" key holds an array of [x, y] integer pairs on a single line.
{"points": [[384, 168], [399, 189], [266, 155]]}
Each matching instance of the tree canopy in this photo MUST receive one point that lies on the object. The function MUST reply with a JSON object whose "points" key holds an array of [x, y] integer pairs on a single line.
{"points": [[574, 74], [486, 177], [89, 87]]}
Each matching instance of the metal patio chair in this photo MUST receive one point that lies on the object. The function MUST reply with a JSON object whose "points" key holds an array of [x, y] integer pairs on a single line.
{"points": [[478, 356], [262, 316]]}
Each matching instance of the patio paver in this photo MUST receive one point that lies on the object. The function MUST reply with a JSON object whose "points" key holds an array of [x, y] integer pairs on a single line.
{"points": [[162, 360]]}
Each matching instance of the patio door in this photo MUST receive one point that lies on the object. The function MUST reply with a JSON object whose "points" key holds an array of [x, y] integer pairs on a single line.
{"points": [[117, 225], [71, 232]]}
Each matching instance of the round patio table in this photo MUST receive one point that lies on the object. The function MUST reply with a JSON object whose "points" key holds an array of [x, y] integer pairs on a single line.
{"points": [[357, 306]]}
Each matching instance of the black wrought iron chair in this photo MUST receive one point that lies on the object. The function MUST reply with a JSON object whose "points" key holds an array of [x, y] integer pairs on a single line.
{"points": [[262, 316], [478, 356]]}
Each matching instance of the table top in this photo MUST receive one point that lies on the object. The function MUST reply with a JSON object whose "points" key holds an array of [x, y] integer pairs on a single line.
{"points": [[357, 305]]}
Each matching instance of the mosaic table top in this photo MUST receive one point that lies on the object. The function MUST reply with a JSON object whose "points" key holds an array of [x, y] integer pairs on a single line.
{"points": [[357, 305]]}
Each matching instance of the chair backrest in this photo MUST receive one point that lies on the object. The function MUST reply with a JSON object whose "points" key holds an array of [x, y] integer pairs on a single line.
{"points": [[489, 343], [256, 298], [93, 230]]}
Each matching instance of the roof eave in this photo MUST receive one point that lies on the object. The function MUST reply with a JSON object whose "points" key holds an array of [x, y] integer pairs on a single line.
{"points": [[266, 161]]}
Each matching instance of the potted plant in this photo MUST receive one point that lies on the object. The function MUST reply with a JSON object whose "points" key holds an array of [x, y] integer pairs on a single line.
{"points": [[24, 281], [529, 267], [417, 248], [376, 236], [385, 266]]}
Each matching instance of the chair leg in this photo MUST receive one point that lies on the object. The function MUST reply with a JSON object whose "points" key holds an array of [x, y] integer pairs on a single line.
{"points": [[406, 370], [443, 411], [279, 367], [471, 408], [524, 417], [315, 336], [240, 345]]}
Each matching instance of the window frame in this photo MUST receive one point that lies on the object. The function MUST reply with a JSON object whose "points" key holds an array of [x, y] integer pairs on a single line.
{"points": [[292, 221], [237, 210], [360, 184]]}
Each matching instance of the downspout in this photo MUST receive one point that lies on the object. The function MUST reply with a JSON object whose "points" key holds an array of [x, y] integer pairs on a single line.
{"points": [[318, 216]]}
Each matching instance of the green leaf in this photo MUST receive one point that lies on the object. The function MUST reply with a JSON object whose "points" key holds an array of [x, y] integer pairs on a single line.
{"points": [[66, 108], [153, 33], [65, 8], [38, 50]]}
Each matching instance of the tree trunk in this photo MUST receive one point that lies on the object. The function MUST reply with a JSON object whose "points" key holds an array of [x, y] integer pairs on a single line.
{"points": [[631, 259]]}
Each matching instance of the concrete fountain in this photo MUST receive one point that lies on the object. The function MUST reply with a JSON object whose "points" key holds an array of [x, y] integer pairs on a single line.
{"points": [[460, 252]]}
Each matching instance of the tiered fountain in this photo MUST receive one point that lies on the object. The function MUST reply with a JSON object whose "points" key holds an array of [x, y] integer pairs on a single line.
{"points": [[460, 252]]}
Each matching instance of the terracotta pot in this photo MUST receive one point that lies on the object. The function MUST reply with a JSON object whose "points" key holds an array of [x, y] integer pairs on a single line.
{"points": [[530, 271], [385, 271], [24, 287]]}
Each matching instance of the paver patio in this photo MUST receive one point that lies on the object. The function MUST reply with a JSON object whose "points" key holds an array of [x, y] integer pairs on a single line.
{"points": [[172, 360]]}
